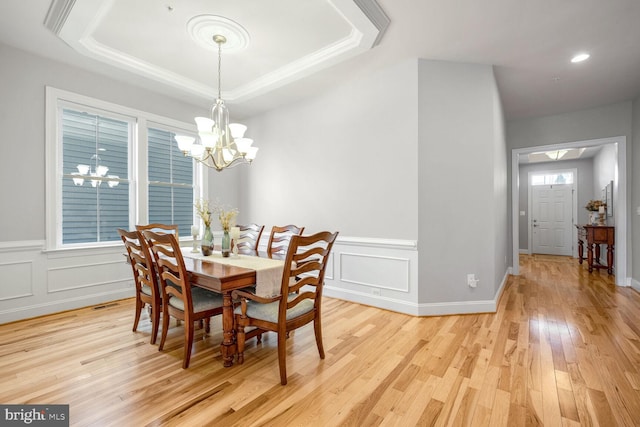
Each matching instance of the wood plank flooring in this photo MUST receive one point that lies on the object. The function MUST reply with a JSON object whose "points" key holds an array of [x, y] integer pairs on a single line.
{"points": [[562, 350]]}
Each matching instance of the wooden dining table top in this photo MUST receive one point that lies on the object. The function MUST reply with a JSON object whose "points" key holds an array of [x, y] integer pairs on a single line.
{"points": [[219, 277]]}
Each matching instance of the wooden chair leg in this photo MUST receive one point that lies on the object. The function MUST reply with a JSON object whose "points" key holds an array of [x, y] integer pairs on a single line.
{"points": [[207, 325], [139, 307], [282, 357], [240, 340], [188, 341], [155, 316], [165, 328], [317, 327]]}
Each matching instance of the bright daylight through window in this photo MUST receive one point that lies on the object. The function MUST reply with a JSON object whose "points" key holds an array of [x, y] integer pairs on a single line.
{"points": [[552, 178]]}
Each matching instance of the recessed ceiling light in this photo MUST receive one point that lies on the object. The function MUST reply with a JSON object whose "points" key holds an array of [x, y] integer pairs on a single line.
{"points": [[580, 57]]}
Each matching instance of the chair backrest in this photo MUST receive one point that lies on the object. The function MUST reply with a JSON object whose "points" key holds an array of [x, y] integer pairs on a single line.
{"points": [[280, 238], [249, 237], [160, 228], [140, 258], [171, 268], [304, 268]]}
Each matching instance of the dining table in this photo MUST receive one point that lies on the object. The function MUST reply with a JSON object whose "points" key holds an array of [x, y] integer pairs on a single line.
{"points": [[226, 274]]}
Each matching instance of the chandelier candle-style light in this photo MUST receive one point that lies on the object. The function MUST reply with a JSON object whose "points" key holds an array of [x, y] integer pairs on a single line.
{"points": [[221, 144]]}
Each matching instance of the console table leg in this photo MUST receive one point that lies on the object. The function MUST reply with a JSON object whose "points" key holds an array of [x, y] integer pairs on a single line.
{"points": [[590, 257], [610, 259]]}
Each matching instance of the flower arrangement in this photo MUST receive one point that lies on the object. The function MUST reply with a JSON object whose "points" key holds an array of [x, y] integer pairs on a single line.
{"points": [[227, 217], [594, 205], [204, 212]]}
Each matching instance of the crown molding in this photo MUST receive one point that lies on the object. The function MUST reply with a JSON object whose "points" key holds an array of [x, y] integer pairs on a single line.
{"points": [[75, 21], [57, 14]]}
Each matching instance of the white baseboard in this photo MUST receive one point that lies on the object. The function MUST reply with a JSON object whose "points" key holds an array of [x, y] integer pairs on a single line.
{"points": [[420, 309], [35, 310], [634, 284]]}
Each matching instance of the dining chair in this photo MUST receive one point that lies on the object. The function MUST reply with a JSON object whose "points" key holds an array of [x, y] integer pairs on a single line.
{"points": [[180, 299], [299, 301], [249, 237], [160, 228], [144, 278], [280, 237]]}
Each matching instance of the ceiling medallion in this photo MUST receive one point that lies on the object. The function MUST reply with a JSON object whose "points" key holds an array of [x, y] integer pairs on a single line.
{"points": [[203, 28]]}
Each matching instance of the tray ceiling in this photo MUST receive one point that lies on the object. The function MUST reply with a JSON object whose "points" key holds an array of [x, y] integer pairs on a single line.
{"points": [[159, 40]]}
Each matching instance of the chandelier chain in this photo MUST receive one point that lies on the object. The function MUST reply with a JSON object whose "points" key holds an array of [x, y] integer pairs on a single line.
{"points": [[219, 69]]}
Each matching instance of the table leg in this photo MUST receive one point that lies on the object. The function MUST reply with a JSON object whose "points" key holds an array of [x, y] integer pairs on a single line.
{"points": [[228, 346], [590, 256], [580, 251], [610, 259], [597, 256]]}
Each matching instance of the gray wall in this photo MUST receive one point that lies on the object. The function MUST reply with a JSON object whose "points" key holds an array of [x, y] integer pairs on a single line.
{"points": [[584, 184], [462, 182], [607, 121], [405, 153], [634, 164], [346, 160], [23, 78]]}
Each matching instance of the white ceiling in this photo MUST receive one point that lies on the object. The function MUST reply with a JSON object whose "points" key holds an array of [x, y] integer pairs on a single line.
{"points": [[301, 48]]}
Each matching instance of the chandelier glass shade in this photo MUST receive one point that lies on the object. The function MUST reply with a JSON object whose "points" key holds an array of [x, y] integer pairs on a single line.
{"points": [[95, 174], [220, 144]]}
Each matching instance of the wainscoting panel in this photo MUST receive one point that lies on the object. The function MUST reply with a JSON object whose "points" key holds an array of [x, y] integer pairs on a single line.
{"points": [[49, 282], [377, 271], [19, 275], [77, 276]]}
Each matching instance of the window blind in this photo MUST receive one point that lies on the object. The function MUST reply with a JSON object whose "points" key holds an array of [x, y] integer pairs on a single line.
{"points": [[170, 181], [93, 213]]}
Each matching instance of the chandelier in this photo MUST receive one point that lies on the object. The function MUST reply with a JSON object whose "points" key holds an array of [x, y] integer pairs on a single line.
{"points": [[221, 144], [95, 174]]}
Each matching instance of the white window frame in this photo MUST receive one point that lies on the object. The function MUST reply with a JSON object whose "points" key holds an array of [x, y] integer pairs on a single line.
{"points": [[138, 202]]}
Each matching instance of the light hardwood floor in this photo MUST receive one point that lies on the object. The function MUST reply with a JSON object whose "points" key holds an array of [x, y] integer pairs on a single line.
{"points": [[562, 350]]}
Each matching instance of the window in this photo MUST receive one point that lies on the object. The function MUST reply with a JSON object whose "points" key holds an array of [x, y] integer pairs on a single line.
{"points": [[552, 178], [170, 181], [94, 148], [111, 167]]}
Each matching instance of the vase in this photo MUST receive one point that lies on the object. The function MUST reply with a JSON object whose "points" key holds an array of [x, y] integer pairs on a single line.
{"points": [[207, 241], [226, 244], [593, 217]]}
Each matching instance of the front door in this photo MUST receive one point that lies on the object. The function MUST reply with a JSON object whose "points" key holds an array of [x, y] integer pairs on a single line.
{"points": [[552, 219]]}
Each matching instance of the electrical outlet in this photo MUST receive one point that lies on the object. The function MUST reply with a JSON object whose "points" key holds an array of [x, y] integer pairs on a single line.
{"points": [[375, 291], [472, 281]]}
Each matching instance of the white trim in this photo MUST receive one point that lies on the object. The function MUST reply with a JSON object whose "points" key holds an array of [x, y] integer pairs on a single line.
{"points": [[419, 309], [23, 246], [634, 284], [620, 202], [377, 242], [49, 307]]}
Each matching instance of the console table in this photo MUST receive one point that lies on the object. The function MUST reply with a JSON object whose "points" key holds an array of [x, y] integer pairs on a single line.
{"points": [[596, 235]]}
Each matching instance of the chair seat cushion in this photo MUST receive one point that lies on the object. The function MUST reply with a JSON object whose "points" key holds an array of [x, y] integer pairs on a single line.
{"points": [[202, 300], [269, 312], [145, 290]]}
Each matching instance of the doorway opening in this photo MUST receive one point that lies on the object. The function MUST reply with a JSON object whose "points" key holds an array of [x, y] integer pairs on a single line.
{"points": [[619, 197]]}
